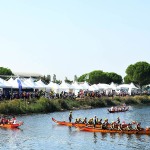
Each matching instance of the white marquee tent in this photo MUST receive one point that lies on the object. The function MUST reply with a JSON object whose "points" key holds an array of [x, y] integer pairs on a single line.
{"points": [[40, 84], [65, 87], [30, 82], [14, 83], [53, 86], [4, 84]]}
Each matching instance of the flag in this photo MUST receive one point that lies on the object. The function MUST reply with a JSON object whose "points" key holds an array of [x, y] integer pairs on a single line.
{"points": [[19, 86]]}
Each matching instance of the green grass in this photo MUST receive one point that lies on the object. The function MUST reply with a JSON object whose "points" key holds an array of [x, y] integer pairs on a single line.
{"points": [[45, 105]]}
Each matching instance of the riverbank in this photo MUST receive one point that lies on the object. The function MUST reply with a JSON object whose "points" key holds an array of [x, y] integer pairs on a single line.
{"points": [[44, 105]]}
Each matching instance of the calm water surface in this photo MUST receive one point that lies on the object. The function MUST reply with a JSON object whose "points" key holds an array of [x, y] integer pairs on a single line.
{"points": [[40, 133]]}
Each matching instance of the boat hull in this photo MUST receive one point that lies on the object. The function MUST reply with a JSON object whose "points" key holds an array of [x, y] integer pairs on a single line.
{"points": [[64, 123], [11, 125], [89, 129]]}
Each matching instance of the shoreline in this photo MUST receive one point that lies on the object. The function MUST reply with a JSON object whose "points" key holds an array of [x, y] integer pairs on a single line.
{"points": [[43, 105]]}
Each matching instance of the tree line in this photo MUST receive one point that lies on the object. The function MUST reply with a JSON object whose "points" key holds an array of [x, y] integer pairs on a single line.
{"points": [[138, 73]]}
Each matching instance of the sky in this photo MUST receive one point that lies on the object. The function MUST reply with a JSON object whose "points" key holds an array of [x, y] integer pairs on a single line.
{"points": [[73, 37]]}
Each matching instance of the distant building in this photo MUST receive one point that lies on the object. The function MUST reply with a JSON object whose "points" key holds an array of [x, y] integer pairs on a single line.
{"points": [[27, 75]]}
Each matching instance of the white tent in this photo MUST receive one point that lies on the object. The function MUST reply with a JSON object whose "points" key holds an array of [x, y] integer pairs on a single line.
{"points": [[40, 84], [53, 86], [133, 86], [30, 82], [104, 86], [4, 84], [85, 86], [123, 86], [92, 88], [113, 85], [95, 86], [130, 87], [15, 84], [77, 87], [65, 87]]}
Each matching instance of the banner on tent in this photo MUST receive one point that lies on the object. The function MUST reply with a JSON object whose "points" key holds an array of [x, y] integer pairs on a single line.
{"points": [[19, 85]]}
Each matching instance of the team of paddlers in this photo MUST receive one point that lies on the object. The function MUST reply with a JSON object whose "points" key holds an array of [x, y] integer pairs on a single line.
{"points": [[7, 120], [104, 124]]}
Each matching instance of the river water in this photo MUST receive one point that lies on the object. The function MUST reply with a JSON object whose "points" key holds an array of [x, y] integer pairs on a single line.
{"points": [[40, 133]]}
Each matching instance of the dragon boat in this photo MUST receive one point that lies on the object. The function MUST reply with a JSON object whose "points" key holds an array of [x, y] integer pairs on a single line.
{"points": [[118, 110], [11, 125], [64, 123], [133, 131]]}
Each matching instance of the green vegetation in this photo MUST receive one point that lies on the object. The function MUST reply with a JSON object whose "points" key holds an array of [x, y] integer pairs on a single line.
{"points": [[5, 71], [99, 76], [138, 73], [45, 105]]}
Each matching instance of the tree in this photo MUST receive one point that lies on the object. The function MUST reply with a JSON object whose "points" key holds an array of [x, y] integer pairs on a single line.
{"points": [[5, 72], [113, 77], [127, 79], [46, 79], [54, 78], [82, 78], [58, 81], [67, 80], [138, 73], [98, 76]]}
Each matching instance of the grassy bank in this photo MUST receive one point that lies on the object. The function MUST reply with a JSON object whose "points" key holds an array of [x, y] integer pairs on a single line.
{"points": [[44, 105]]}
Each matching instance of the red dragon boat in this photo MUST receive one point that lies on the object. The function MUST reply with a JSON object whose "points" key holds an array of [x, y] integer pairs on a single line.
{"points": [[64, 123], [133, 131], [11, 125]]}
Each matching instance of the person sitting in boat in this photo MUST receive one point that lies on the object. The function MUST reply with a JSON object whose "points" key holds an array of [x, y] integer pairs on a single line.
{"points": [[112, 125], [85, 120], [70, 116], [129, 127], [138, 126], [123, 125], [105, 124], [13, 120], [4, 120], [120, 127], [112, 108], [91, 121], [80, 121], [76, 121], [99, 122]]}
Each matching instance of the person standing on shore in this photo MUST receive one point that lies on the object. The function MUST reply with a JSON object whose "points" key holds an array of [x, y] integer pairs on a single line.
{"points": [[70, 116]]}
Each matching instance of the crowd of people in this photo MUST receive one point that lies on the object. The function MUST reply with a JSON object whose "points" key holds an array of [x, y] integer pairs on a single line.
{"points": [[9, 95], [7, 120]]}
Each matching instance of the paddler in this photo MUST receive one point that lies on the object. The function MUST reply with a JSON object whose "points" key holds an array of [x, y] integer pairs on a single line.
{"points": [[85, 120], [95, 121], [138, 126], [70, 116]]}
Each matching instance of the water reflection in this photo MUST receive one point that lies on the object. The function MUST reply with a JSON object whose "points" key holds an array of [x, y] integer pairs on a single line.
{"points": [[95, 137]]}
